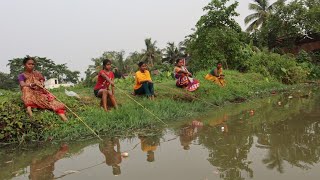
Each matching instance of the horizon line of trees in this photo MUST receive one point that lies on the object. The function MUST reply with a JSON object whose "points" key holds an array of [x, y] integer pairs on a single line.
{"points": [[217, 37]]}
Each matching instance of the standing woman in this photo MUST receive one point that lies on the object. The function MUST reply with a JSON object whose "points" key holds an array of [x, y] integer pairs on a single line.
{"points": [[184, 77], [143, 83], [33, 93], [102, 87]]}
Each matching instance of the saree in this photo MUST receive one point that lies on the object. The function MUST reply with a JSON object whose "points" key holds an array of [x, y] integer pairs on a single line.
{"points": [[211, 77], [37, 97], [184, 81]]}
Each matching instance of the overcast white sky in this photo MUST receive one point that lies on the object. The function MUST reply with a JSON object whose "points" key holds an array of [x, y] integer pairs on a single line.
{"points": [[74, 31]]}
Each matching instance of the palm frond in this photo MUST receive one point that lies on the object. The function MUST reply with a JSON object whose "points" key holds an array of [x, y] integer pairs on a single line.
{"points": [[252, 26], [255, 7], [251, 17]]}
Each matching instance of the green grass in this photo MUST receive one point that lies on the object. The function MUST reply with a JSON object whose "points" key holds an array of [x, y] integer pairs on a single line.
{"points": [[171, 105]]}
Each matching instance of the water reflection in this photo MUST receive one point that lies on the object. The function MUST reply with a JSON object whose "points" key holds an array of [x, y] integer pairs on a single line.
{"points": [[149, 145], [110, 148], [239, 142], [42, 169], [188, 133]]}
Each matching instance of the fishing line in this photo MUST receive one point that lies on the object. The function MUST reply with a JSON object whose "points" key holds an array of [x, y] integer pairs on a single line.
{"points": [[141, 105], [73, 113]]}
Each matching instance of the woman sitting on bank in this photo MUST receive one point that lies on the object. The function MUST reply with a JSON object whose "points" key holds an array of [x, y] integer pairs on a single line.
{"points": [[184, 77], [216, 75], [143, 83], [102, 87], [33, 93]]}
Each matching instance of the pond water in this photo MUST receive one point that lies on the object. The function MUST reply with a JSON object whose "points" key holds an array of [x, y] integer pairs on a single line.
{"points": [[271, 138]]}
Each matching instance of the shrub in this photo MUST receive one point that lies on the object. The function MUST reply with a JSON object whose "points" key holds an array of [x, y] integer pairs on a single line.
{"points": [[283, 67]]}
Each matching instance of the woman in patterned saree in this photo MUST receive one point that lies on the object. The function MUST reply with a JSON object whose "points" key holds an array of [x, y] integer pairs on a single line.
{"points": [[33, 93], [184, 77]]}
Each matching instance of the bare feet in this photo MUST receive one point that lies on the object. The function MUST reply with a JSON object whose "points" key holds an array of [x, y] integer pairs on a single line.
{"points": [[63, 117], [29, 111]]}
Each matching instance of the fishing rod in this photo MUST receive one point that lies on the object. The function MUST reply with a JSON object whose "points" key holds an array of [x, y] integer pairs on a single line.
{"points": [[72, 112], [142, 106]]}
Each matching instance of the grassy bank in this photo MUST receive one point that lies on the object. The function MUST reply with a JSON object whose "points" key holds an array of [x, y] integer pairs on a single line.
{"points": [[171, 104]]}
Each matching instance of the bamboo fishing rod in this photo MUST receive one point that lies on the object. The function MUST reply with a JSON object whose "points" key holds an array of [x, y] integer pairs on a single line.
{"points": [[141, 106], [72, 113]]}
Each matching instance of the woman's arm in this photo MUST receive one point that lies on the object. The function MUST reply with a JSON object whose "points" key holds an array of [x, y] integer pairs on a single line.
{"points": [[107, 78], [24, 84], [215, 73]]}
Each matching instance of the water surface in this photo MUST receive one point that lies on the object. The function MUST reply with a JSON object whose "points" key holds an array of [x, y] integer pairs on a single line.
{"points": [[272, 138]]}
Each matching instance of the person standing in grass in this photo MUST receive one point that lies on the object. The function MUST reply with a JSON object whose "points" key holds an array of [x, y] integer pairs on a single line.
{"points": [[33, 93], [216, 75], [184, 77], [143, 83], [102, 88]]}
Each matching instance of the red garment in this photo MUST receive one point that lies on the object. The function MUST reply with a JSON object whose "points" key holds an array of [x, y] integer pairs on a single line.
{"points": [[103, 83], [37, 97]]}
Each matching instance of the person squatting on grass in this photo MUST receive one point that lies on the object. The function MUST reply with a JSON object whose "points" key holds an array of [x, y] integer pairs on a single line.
{"points": [[102, 88], [216, 75], [143, 83], [184, 77], [33, 93]]}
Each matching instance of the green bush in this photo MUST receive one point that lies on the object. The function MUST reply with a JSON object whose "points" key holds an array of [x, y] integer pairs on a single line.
{"points": [[283, 67]]}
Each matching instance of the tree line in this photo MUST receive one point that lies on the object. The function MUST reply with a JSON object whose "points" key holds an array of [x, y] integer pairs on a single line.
{"points": [[273, 29]]}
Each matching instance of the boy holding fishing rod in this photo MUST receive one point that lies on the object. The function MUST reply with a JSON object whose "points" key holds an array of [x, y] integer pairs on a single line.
{"points": [[102, 87]]}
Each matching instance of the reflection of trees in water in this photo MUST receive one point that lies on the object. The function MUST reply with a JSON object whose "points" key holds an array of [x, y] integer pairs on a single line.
{"points": [[228, 151], [288, 132], [296, 141]]}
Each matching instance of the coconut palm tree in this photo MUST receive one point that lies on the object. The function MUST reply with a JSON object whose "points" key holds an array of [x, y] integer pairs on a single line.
{"points": [[151, 53], [262, 10], [172, 52]]}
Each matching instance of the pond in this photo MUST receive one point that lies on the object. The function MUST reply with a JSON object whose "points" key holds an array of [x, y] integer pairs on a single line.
{"points": [[277, 137]]}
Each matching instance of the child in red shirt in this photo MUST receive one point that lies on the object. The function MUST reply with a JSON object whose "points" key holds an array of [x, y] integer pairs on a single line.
{"points": [[102, 87]]}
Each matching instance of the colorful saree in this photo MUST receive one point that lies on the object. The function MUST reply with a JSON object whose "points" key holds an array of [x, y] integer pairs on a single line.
{"points": [[37, 97], [184, 81], [217, 80]]}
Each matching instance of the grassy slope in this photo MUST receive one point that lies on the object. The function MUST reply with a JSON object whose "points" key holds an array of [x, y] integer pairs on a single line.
{"points": [[170, 105]]}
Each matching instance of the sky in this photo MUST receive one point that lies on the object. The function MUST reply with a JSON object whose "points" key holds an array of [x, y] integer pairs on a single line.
{"points": [[74, 31]]}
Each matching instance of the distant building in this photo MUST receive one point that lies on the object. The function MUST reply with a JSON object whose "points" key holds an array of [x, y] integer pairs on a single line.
{"points": [[54, 83], [308, 43]]}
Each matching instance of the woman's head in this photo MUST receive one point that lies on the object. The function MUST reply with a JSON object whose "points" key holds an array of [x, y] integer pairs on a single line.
{"points": [[106, 64], [219, 65], [142, 66], [29, 63], [179, 62]]}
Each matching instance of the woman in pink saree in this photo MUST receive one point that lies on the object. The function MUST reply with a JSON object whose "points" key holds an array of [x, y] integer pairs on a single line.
{"points": [[184, 77], [33, 93]]}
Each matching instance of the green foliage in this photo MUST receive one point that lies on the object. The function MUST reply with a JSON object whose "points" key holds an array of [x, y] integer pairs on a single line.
{"points": [[14, 123], [286, 22], [309, 61], [6, 82], [217, 38], [47, 67], [152, 54], [173, 52], [282, 67], [262, 9]]}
